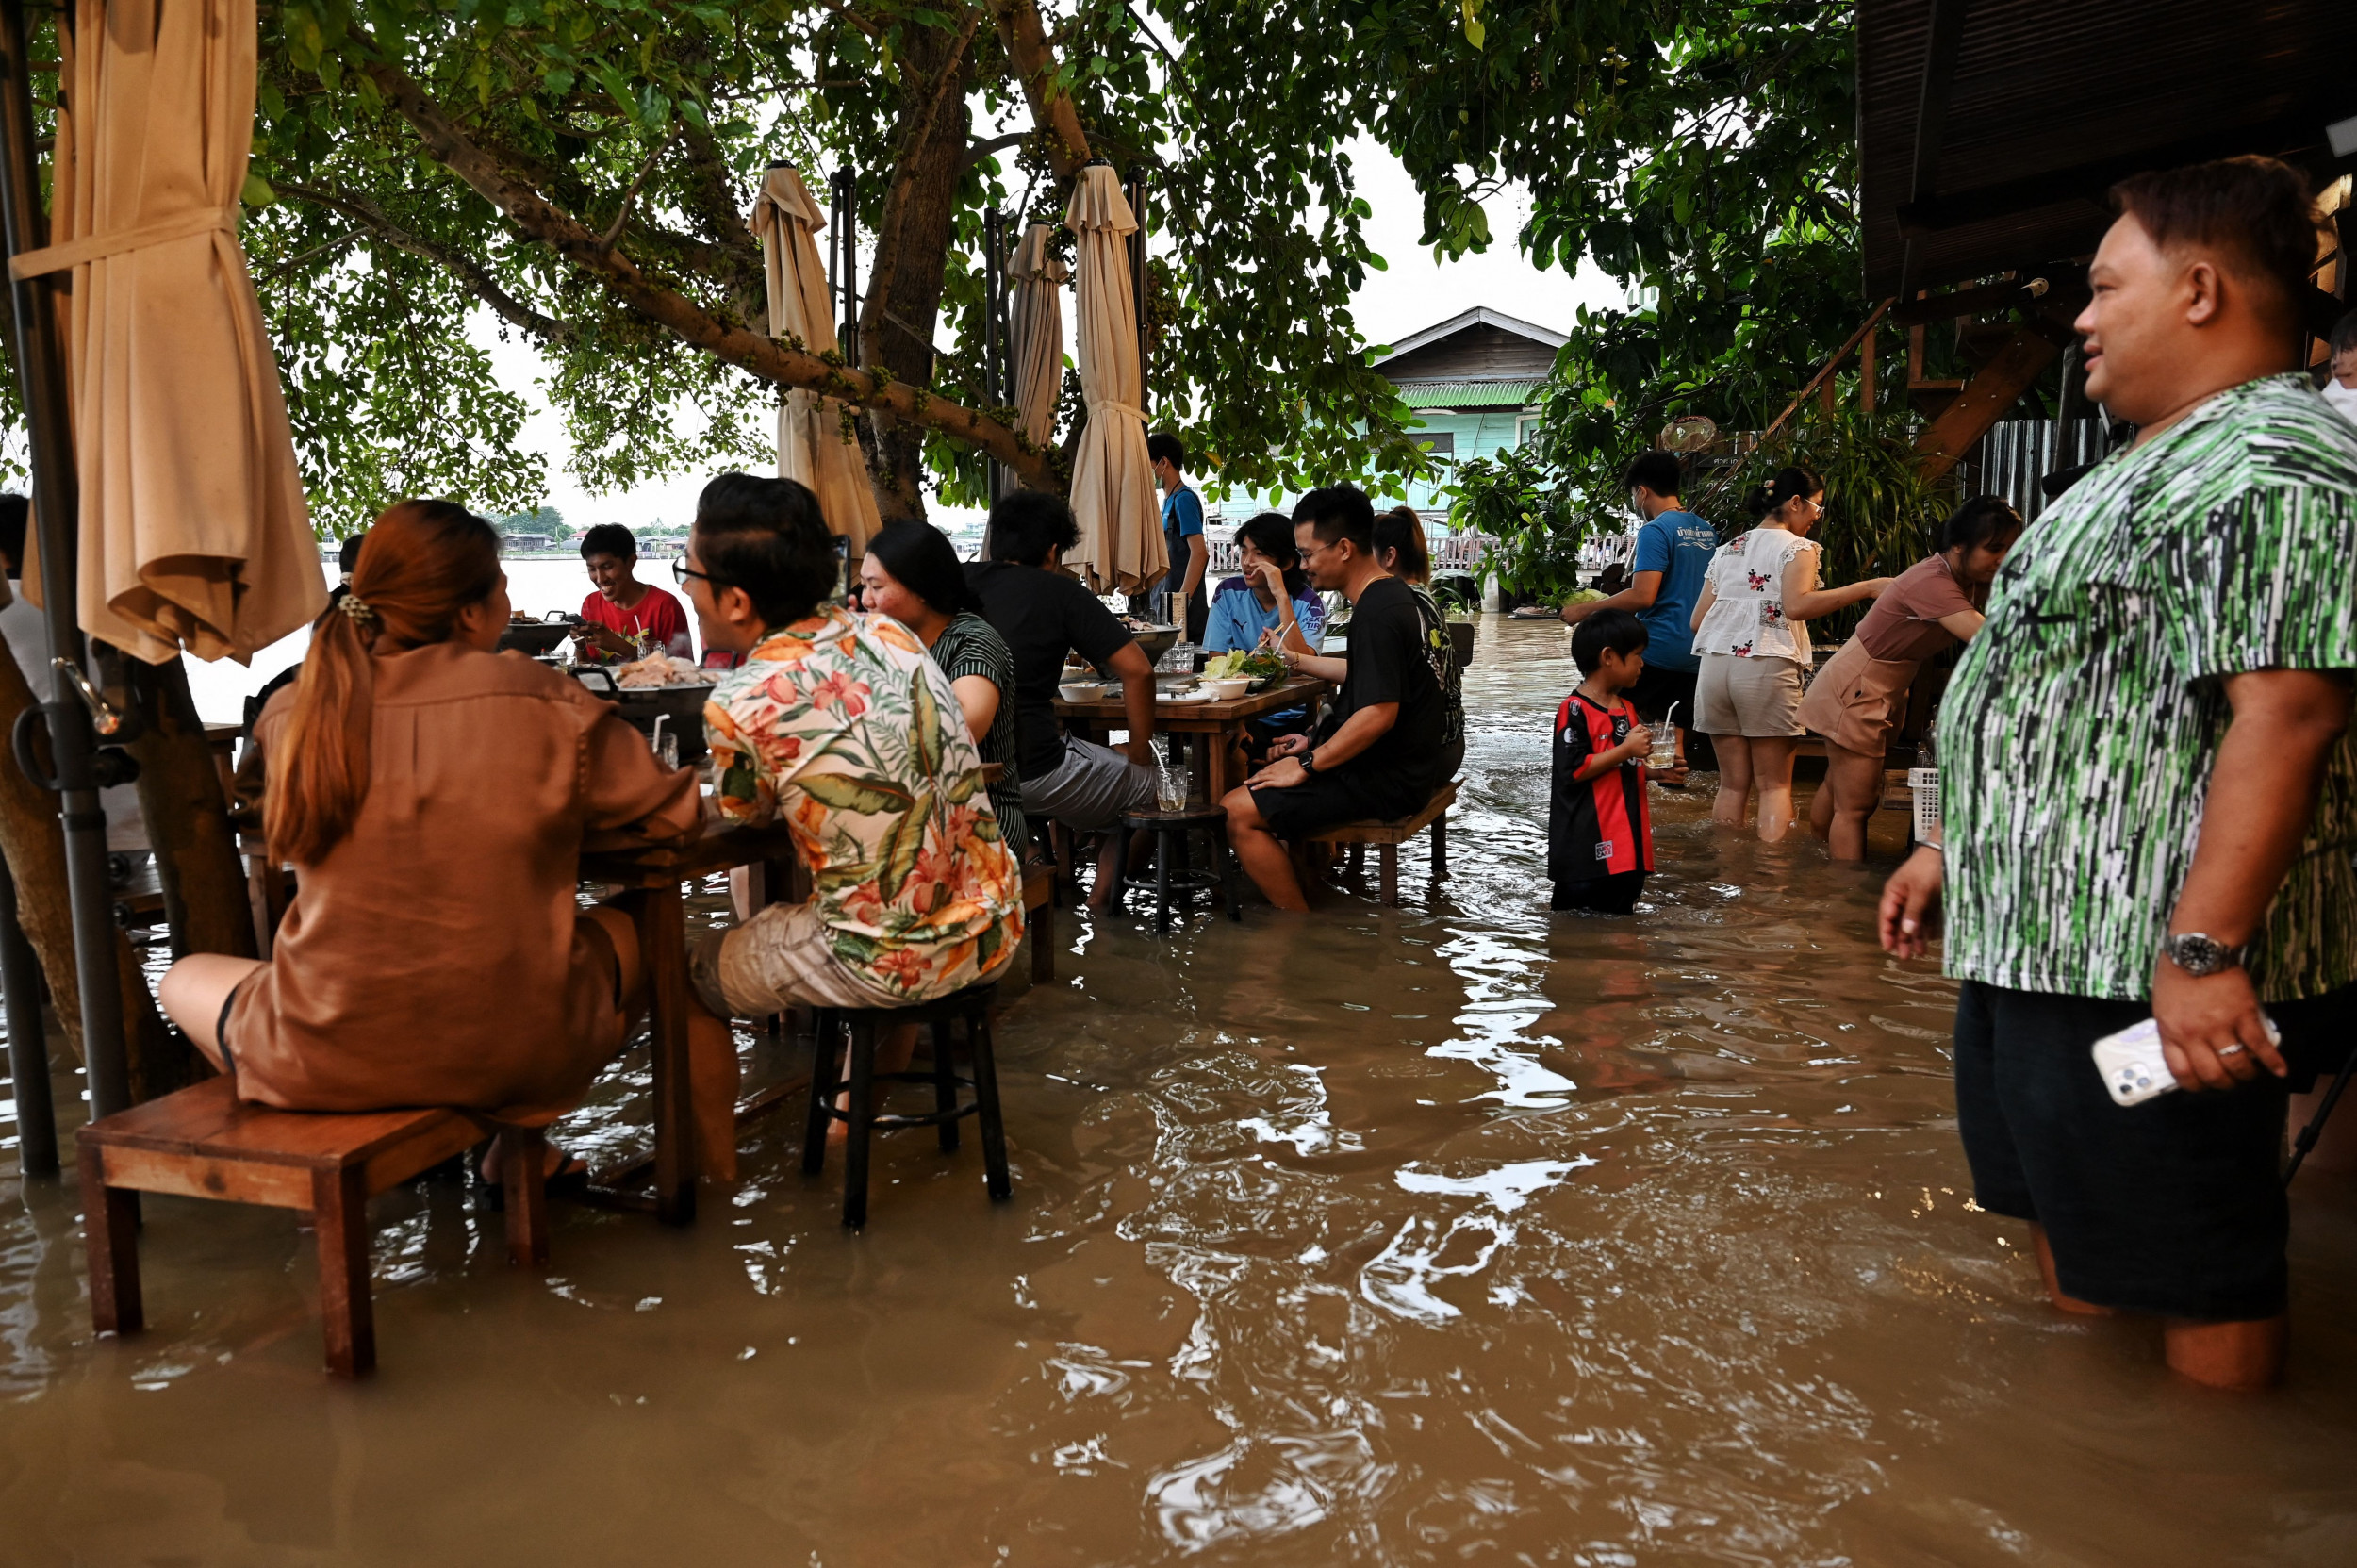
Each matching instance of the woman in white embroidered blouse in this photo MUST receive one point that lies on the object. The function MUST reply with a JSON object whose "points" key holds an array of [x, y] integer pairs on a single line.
{"points": [[1751, 630]]}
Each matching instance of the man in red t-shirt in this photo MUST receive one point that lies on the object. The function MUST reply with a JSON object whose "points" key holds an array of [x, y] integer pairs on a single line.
{"points": [[623, 608]]}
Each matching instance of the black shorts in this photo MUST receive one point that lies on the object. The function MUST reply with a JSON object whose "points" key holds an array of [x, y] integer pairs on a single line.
{"points": [[1613, 895], [2174, 1207], [1655, 690], [1326, 801]]}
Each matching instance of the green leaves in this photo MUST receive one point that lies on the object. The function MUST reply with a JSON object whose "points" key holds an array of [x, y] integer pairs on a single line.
{"points": [[924, 728], [854, 793], [905, 843]]}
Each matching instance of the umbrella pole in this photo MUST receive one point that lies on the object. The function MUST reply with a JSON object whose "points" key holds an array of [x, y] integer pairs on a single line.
{"points": [[997, 358], [1137, 278], [41, 385]]}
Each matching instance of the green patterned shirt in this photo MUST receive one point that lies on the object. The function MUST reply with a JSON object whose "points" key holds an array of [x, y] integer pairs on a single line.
{"points": [[2082, 723]]}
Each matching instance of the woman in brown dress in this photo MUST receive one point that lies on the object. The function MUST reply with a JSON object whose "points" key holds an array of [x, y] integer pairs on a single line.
{"points": [[433, 796], [1854, 702]]}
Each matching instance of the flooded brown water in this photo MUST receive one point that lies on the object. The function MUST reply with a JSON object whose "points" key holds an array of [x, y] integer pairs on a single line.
{"points": [[1459, 1232]]}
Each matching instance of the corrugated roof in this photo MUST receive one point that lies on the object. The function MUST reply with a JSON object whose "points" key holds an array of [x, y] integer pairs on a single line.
{"points": [[2051, 102], [1468, 394]]}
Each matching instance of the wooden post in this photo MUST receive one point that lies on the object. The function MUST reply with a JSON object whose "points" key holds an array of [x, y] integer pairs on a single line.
{"points": [[663, 947], [1866, 374], [524, 1185], [110, 1247], [205, 899], [340, 1215]]}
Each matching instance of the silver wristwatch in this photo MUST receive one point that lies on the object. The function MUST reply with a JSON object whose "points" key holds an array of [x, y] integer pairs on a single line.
{"points": [[2199, 953]]}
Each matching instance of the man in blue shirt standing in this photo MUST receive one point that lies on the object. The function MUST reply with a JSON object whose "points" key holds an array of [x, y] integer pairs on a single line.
{"points": [[1673, 551], [1182, 532]]}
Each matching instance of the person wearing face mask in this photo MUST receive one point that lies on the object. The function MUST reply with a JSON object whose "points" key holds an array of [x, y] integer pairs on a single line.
{"points": [[1751, 634], [2340, 387], [1854, 702]]}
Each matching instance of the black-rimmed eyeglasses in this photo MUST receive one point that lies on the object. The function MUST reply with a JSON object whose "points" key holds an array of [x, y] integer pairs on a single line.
{"points": [[681, 571]]}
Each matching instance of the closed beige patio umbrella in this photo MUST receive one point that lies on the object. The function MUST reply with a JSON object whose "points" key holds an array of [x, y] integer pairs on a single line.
{"points": [[1121, 546], [1035, 321], [193, 530], [810, 444]]}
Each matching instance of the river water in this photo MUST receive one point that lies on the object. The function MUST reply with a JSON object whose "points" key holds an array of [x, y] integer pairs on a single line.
{"points": [[1454, 1234]]}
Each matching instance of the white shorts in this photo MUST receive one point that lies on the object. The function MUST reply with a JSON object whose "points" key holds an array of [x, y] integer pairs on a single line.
{"points": [[1759, 699]]}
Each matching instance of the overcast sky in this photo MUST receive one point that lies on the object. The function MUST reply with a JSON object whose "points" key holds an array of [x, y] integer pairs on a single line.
{"points": [[1414, 293]]}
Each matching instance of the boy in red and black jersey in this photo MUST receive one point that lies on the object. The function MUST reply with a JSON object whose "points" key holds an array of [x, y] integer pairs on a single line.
{"points": [[1599, 837]]}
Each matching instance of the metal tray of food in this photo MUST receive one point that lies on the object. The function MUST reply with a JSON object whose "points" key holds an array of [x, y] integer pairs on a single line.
{"points": [[535, 637]]}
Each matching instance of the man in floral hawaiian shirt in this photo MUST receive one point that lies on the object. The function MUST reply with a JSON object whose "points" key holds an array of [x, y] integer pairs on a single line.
{"points": [[841, 727], [2150, 794]]}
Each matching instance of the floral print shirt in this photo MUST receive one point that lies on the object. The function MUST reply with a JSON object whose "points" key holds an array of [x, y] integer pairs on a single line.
{"points": [[1746, 614], [846, 730]]}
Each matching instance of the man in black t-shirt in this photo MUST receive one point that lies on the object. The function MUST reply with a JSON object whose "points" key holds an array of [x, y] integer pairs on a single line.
{"points": [[1044, 616], [1377, 754]]}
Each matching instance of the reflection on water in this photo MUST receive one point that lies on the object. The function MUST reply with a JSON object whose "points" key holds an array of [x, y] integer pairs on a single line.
{"points": [[1459, 1231]]}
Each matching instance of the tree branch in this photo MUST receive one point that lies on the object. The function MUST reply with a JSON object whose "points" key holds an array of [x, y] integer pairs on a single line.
{"points": [[621, 215], [477, 281], [981, 150], [1035, 65], [783, 364], [853, 18]]}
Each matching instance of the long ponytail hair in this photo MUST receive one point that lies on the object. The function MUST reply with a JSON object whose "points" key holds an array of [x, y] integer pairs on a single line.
{"points": [[423, 563]]}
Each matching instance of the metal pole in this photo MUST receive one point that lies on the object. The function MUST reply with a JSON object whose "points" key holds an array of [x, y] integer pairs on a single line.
{"points": [[41, 386], [1137, 277], [29, 1043], [846, 217], [998, 356]]}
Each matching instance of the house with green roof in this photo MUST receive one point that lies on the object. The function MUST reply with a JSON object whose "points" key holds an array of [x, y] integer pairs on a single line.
{"points": [[1473, 380]]}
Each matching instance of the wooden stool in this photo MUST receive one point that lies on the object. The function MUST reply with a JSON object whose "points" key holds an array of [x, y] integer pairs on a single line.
{"points": [[971, 1005], [1170, 830], [1039, 909], [1388, 836], [203, 1142]]}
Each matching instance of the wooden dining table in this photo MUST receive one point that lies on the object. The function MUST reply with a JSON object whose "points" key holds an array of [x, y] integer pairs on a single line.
{"points": [[1215, 727], [660, 874]]}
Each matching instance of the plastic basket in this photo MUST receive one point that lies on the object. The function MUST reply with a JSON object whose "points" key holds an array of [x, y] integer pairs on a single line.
{"points": [[1923, 784]]}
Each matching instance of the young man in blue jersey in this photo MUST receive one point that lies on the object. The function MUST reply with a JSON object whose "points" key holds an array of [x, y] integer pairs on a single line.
{"points": [[1182, 535]]}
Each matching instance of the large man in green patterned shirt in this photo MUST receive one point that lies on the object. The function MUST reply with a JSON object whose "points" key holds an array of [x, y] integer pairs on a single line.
{"points": [[2150, 797]]}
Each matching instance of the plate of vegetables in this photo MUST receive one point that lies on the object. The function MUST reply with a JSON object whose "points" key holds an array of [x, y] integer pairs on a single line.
{"points": [[1261, 668]]}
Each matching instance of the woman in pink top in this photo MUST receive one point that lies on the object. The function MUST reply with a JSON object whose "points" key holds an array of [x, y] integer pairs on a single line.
{"points": [[433, 796], [1854, 702]]}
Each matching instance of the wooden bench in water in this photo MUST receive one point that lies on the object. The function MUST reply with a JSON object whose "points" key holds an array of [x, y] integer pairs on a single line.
{"points": [[203, 1142], [1388, 836]]}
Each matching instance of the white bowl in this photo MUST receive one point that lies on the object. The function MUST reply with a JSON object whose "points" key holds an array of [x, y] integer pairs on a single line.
{"points": [[1229, 688], [1081, 691]]}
